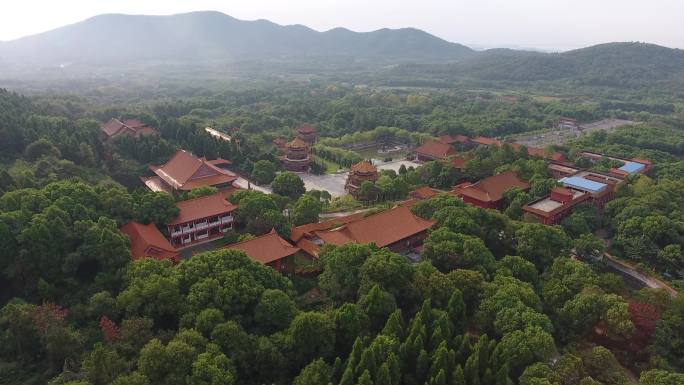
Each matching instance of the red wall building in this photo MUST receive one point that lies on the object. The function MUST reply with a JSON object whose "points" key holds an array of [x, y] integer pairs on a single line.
{"points": [[488, 193], [200, 220]]}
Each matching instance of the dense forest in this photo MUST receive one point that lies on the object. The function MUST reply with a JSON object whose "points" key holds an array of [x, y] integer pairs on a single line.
{"points": [[496, 300]]}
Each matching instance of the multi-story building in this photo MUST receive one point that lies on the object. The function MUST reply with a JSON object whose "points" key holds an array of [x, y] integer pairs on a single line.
{"points": [[200, 220], [551, 209], [296, 156], [307, 133], [184, 172], [359, 173], [599, 187]]}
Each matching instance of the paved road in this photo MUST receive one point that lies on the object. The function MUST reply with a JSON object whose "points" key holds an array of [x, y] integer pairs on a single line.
{"points": [[627, 269], [244, 183]]}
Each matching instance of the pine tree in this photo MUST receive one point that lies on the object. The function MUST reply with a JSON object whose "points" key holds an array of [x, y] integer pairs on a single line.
{"points": [[426, 312], [337, 370], [443, 323], [463, 351], [457, 311], [355, 355], [436, 339], [368, 362], [394, 368], [472, 369], [488, 378], [394, 326], [365, 379], [383, 377], [502, 376], [482, 349], [348, 376], [440, 360], [457, 378], [439, 379], [422, 365]]}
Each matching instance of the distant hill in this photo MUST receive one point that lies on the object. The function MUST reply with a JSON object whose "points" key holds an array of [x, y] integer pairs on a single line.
{"points": [[115, 39], [611, 64]]}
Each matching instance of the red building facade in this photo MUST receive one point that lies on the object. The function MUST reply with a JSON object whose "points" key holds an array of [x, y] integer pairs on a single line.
{"points": [[359, 173], [296, 156], [200, 220]]}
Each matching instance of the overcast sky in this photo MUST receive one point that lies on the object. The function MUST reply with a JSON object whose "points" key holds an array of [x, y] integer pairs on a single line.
{"points": [[543, 24]]}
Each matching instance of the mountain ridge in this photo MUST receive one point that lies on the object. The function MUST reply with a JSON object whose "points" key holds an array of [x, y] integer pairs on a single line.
{"points": [[114, 38]]}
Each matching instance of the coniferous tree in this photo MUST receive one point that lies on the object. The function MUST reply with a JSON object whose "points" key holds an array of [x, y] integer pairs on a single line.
{"points": [[458, 378]]}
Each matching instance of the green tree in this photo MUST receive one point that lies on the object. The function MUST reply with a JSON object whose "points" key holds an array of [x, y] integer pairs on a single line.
{"points": [[288, 184], [274, 311], [212, 368], [155, 207], [541, 244], [311, 335], [102, 365], [202, 191], [378, 305], [306, 210], [315, 373], [263, 171]]}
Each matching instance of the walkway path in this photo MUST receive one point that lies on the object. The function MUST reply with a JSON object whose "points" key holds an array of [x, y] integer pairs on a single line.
{"points": [[627, 269], [341, 214], [244, 184]]}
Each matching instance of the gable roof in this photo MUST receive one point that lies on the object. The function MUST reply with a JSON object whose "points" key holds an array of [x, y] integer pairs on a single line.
{"points": [[297, 143], [306, 129], [424, 193], [491, 189], [449, 139], [486, 141], [202, 207], [147, 241], [310, 229], [266, 248], [364, 167], [459, 162], [132, 126], [184, 171], [113, 127], [383, 229], [435, 149]]}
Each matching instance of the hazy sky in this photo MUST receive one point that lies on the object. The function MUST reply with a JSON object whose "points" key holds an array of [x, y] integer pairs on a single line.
{"points": [[545, 24]]}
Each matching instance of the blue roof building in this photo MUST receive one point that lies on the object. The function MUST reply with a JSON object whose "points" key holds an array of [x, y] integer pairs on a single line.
{"points": [[583, 184], [632, 167]]}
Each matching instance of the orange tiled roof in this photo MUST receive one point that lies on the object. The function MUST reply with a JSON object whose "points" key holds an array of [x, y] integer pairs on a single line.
{"points": [[266, 248], [297, 143], [486, 141], [424, 193], [491, 189], [134, 123], [435, 149], [364, 167], [299, 232], [202, 207], [184, 171], [133, 126], [449, 139], [459, 162], [383, 229], [306, 129], [147, 241]]}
